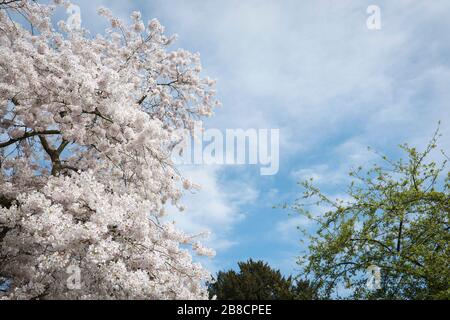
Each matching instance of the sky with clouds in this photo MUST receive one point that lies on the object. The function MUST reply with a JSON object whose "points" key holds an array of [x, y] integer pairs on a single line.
{"points": [[315, 71]]}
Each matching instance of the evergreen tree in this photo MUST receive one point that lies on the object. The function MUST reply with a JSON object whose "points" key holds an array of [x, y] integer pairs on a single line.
{"points": [[256, 280]]}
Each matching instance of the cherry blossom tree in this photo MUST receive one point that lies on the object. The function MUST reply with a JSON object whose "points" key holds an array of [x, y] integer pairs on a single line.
{"points": [[87, 128]]}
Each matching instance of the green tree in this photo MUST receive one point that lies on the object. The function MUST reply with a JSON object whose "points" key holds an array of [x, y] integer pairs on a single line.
{"points": [[256, 280], [397, 219]]}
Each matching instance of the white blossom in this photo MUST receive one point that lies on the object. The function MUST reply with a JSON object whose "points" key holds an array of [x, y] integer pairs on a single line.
{"points": [[87, 126]]}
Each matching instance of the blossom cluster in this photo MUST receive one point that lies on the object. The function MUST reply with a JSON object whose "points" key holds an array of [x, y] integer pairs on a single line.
{"points": [[87, 129]]}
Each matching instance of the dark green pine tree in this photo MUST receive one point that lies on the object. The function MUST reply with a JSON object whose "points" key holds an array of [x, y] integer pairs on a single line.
{"points": [[256, 280]]}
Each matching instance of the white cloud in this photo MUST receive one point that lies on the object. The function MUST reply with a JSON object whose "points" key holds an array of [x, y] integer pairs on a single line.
{"points": [[312, 69], [321, 174], [334, 171], [288, 230], [214, 207]]}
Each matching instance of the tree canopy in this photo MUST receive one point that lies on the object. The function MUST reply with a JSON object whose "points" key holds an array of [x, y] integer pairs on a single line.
{"points": [[88, 124], [256, 280], [396, 218]]}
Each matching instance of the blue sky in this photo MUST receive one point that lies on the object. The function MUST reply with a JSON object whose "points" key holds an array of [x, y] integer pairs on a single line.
{"points": [[313, 70]]}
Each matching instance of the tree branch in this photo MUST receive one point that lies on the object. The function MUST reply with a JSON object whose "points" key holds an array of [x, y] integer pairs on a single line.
{"points": [[399, 237], [141, 100], [29, 135], [54, 155]]}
